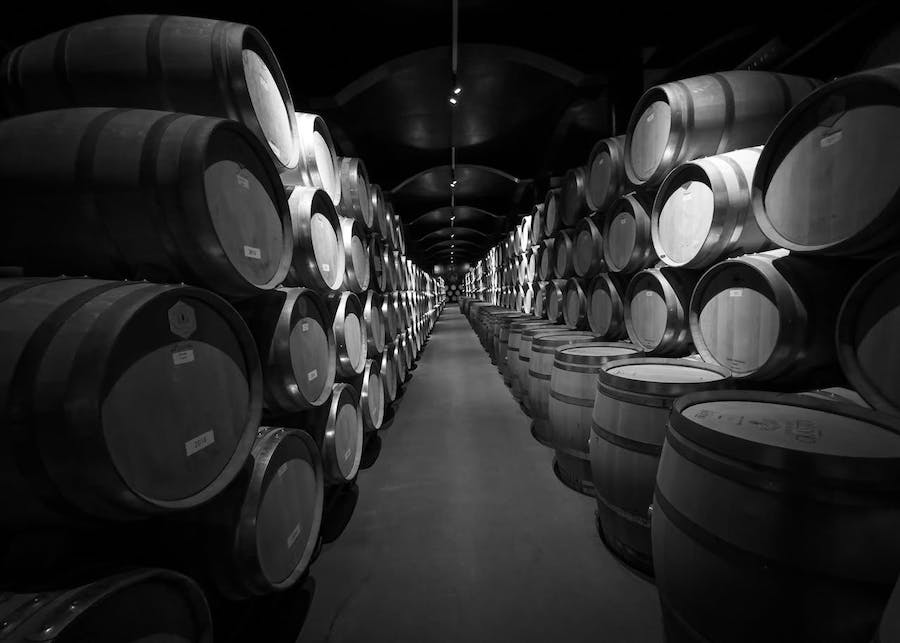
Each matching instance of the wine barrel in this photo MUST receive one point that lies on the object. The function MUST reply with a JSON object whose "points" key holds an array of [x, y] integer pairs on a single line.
{"points": [[573, 203], [867, 342], [744, 480], [346, 316], [401, 367], [543, 347], [575, 308], [552, 215], [389, 377], [379, 212], [317, 165], [512, 376], [537, 224], [606, 173], [606, 310], [556, 300], [173, 63], [771, 318], [370, 385], [129, 607], [528, 295], [627, 237], [356, 199], [525, 342], [503, 331], [319, 259], [295, 341], [587, 251], [390, 269], [706, 115], [356, 255], [378, 275], [338, 430], [702, 212], [120, 399], [523, 230], [544, 260], [628, 427], [573, 386], [111, 206], [373, 323], [825, 182], [563, 254], [657, 302], [262, 531], [391, 318]]}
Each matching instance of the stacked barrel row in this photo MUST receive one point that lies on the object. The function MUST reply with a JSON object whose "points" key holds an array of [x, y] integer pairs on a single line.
{"points": [[246, 318], [742, 238]]}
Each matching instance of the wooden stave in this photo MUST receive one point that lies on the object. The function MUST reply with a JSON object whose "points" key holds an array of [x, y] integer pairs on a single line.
{"points": [[515, 338], [141, 218], [230, 523], [734, 230], [356, 278], [271, 318], [56, 613], [563, 247], [643, 255], [884, 230], [340, 305], [805, 353], [591, 226], [555, 296], [308, 173], [527, 339], [646, 406], [612, 285], [537, 224], [552, 218], [504, 328], [710, 119], [843, 568], [195, 80], [579, 322], [614, 147], [573, 201], [305, 270], [545, 269], [677, 286], [55, 488], [356, 198]]}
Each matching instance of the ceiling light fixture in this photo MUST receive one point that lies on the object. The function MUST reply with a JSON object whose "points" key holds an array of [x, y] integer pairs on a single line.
{"points": [[457, 90], [453, 100]]}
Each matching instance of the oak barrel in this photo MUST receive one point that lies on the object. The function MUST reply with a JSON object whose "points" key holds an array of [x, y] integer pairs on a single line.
{"points": [[317, 165], [512, 375], [575, 305], [605, 308], [338, 431], [606, 173], [346, 316], [587, 253], [826, 181], [378, 273], [657, 303], [706, 115], [628, 427], [373, 323], [627, 237], [545, 261], [563, 254], [379, 211], [537, 224], [389, 377], [771, 318], [573, 386], [552, 215], [525, 341], [573, 203], [556, 300], [370, 385], [773, 497], [120, 399], [133, 606], [702, 212], [319, 256], [356, 255], [295, 340], [356, 199], [172, 63], [543, 345], [112, 202]]}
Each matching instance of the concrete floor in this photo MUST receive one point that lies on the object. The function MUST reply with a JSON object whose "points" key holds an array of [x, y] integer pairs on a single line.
{"points": [[462, 532]]}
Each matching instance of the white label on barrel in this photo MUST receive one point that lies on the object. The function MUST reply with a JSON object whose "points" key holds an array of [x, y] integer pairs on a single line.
{"points": [[252, 253], [650, 117], [648, 293], [293, 537], [242, 181], [199, 443], [304, 327], [326, 267], [182, 357], [313, 374], [831, 139], [347, 453], [735, 292]]}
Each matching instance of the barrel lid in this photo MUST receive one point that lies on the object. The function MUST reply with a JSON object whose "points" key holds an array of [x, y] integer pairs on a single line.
{"points": [[795, 433], [663, 376], [595, 353], [548, 343], [550, 328]]}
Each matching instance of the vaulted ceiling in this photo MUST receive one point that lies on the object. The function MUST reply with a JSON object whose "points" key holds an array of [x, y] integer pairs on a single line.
{"points": [[541, 82]]}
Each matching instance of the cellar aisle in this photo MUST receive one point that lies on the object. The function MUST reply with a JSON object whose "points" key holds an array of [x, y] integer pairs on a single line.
{"points": [[462, 531]]}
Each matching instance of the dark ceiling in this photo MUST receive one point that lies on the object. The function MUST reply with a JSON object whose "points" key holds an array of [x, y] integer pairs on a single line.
{"points": [[540, 84]]}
